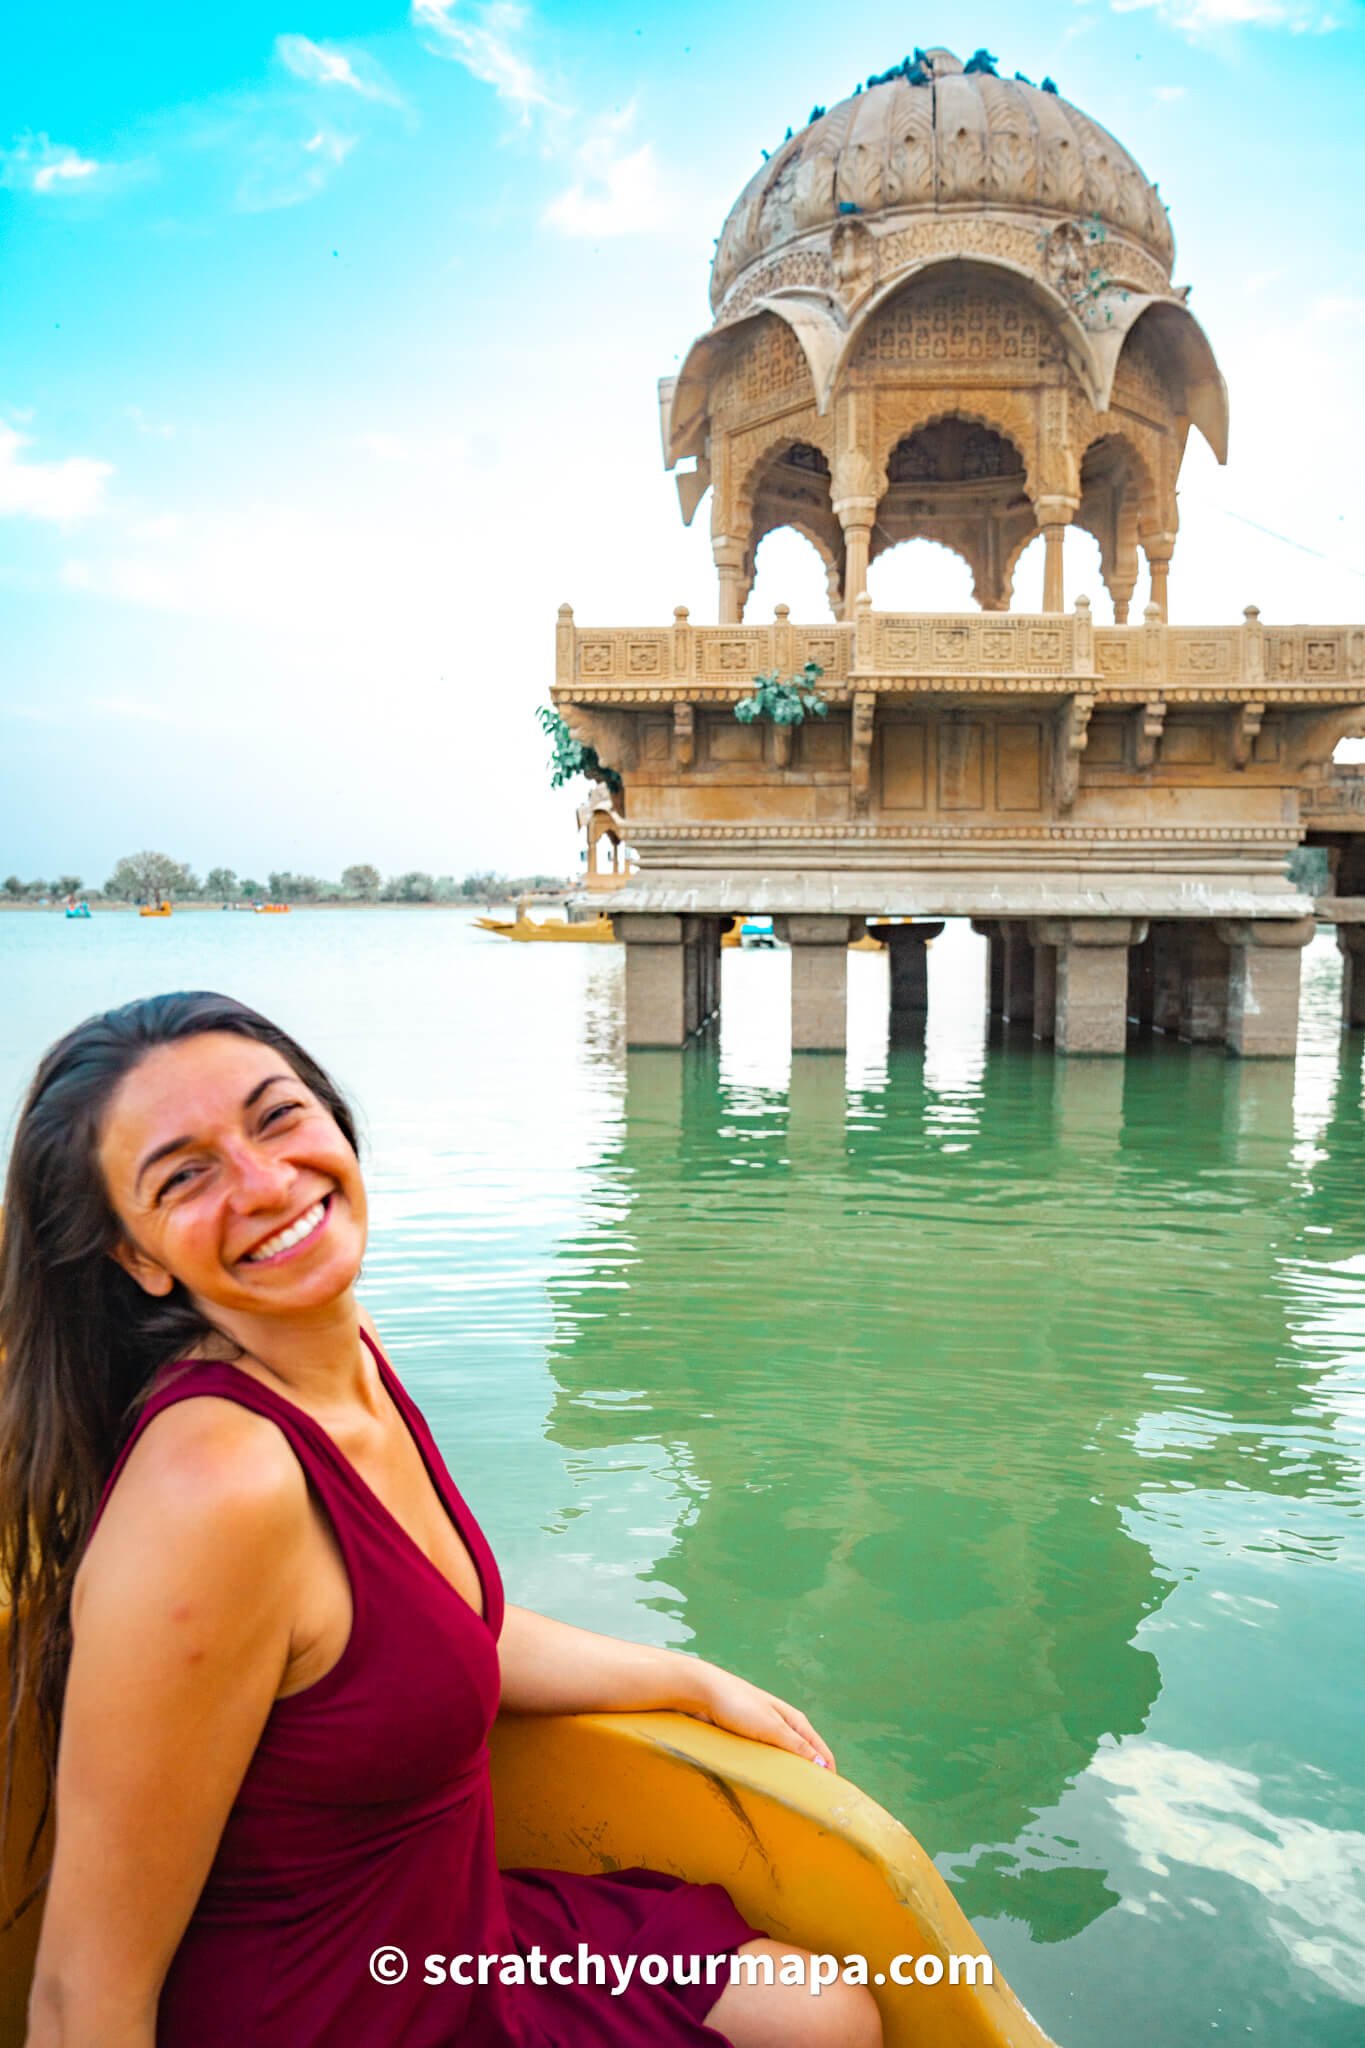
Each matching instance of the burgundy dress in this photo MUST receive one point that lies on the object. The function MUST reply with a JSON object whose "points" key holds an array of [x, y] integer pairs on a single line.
{"points": [[365, 1820]]}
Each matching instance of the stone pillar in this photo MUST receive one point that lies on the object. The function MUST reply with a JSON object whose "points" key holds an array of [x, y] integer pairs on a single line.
{"points": [[993, 932], [1044, 986], [1204, 967], [729, 558], [1018, 974], [1166, 971], [1351, 945], [701, 943], [656, 978], [1142, 982], [1054, 515], [857, 516], [1092, 979], [1158, 548], [906, 944], [1263, 983], [819, 949]]}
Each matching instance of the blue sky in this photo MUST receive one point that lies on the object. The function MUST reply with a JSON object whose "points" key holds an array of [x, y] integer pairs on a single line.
{"points": [[328, 346]]}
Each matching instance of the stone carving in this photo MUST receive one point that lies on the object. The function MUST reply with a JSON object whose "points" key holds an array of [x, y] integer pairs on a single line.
{"points": [[768, 370], [1066, 258], [1072, 733], [860, 751], [853, 257], [955, 324], [1151, 721], [684, 735], [1246, 724]]}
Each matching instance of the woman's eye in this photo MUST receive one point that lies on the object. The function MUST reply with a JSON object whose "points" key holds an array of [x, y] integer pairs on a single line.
{"points": [[176, 1180], [280, 1109]]}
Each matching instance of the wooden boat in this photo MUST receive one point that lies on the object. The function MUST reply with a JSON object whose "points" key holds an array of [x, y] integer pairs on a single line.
{"points": [[804, 1854], [162, 909], [596, 931]]}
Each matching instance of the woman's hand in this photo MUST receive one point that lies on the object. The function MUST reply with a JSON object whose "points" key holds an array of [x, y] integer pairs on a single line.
{"points": [[730, 1702]]}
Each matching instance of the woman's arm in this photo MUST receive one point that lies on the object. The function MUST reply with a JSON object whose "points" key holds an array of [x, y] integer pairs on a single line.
{"points": [[183, 1619], [549, 1667]]}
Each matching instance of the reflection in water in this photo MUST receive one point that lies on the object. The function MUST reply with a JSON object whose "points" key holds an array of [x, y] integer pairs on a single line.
{"points": [[998, 1386]]}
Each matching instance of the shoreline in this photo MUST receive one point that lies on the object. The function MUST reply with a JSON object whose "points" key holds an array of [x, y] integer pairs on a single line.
{"points": [[99, 906]]}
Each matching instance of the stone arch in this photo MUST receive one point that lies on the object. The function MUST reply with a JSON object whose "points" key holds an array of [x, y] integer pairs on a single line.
{"points": [[904, 413], [688, 401], [958, 552], [831, 565], [1064, 328], [1120, 496]]}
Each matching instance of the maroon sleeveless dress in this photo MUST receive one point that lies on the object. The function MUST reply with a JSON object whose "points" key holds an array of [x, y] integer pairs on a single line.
{"points": [[365, 1821]]}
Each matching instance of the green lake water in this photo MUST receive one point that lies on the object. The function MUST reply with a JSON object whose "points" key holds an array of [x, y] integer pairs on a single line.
{"points": [[1007, 1413]]}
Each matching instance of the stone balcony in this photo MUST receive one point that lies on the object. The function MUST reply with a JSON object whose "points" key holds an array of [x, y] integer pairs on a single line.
{"points": [[986, 653]]}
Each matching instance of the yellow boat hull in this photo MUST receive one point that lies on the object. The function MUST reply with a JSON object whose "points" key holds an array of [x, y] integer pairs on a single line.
{"points": [[804, 1854], [525, 929]]}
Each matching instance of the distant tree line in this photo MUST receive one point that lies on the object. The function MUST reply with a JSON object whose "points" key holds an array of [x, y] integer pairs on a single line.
{"points": [[154, 877]]}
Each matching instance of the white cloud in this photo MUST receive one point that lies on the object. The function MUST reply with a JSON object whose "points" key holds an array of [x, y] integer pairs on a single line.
{"points": [[1202, 17], [1171, 92], [321, 66], [483, 39], [612, 193], [35, 163], [62, 492], [282, 173]]}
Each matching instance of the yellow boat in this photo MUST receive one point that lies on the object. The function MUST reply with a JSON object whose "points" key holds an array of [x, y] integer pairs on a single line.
{"points": [[804, 1854], [271, 909], [595, 931], [162, 909]]}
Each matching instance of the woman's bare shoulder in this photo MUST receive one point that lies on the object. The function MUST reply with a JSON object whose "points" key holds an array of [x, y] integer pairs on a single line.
{"points": [[206, 1472]]}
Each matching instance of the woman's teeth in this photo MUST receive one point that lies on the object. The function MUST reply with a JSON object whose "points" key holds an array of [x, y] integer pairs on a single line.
{"points": [[296, 1232]]}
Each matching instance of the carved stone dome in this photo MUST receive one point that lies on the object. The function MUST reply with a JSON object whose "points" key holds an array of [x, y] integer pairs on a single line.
{"points": [[962, 143]]}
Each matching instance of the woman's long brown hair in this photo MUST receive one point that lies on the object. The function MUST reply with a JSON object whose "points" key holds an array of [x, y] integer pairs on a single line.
{"points": [[80, 1342]]}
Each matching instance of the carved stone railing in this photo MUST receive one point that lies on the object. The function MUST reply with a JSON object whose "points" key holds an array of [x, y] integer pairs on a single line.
{"points": [[1042, 653], [1338, 799]]}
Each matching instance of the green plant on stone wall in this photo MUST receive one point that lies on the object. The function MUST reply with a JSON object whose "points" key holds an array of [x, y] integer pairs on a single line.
{"points": [[787, 702], [570, 757]]}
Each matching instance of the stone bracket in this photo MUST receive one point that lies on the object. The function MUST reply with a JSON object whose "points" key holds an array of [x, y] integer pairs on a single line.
{"points": [[684, 735], [784, 744], [1265, 931], [1246, 724], [864, 709], [1072, 737], [1151, 723]]}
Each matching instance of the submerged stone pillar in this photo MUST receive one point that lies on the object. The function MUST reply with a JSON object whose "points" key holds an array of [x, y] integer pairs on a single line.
{"points": [[1351, 946], [1092, 980], [1263, 984], [907, 946], [670, 991], [993, 932], [1018, 1008], [1204, 975], [1166, 970], [1142, 982], [819, 948], [1044, 986]]}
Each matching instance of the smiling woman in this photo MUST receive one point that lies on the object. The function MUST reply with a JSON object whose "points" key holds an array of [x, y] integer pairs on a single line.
{"points": [[249, 1595]]}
